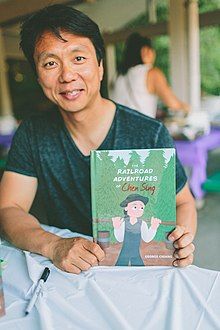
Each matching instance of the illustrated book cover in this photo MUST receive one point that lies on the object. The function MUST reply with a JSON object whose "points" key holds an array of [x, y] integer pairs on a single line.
{"points": [[2, 302], [134, 205]]}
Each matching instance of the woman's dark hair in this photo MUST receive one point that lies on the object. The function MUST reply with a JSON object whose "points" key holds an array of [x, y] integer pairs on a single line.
{"points": [[56, 18], [132, 51]]}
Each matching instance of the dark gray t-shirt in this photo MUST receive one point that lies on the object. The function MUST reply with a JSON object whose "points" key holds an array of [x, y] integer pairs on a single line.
{"points": [[43, 148]]}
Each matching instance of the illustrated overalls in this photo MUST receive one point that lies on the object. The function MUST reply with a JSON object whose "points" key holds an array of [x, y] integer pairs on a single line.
{"points": [[130, 255]]}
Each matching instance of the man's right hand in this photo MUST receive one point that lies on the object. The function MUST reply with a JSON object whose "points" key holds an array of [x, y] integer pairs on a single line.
{"points": [[76, 254]]}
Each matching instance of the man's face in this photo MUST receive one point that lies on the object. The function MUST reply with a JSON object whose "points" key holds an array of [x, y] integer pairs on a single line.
{"points": [[135, 209], [68, 72]]}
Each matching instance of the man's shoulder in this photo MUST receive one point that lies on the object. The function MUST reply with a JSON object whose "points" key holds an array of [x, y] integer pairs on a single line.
{"points": [[43, 120], [136, 118]]}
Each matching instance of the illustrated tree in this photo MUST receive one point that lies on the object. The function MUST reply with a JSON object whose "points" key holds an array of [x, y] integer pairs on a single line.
{"points": [[135, 159], [165, 208], [119, 163], [156, 161]]}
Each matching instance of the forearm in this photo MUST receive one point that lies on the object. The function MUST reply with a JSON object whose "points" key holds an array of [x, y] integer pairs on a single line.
{"points": [[24, 231], [179, 105], [187, 217]]}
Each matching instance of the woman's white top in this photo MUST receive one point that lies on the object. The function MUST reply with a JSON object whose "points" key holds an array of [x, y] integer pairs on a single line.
{"points": [[131, 90]]}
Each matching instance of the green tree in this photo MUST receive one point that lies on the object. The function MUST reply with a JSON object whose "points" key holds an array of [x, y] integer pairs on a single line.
{"points": [[156, 161], [135, 159]]}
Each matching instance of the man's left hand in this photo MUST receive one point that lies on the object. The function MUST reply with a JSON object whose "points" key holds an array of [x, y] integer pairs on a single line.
{"points": [[184, 247]]}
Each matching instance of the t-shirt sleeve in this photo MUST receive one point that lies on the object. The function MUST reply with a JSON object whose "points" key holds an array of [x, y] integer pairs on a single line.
{"points": [[20, 157], [164, 140]]}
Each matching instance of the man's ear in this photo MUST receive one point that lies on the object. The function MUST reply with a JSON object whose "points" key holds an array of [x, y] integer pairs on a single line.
{"points": [[101, 70], [126, 209], [38, 80]]}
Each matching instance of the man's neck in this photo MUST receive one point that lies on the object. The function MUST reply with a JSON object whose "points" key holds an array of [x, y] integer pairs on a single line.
{"points": [[89, 127]]}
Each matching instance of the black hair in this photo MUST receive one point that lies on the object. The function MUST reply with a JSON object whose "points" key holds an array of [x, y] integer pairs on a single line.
{"points": [[132, 51], [57, 18]]}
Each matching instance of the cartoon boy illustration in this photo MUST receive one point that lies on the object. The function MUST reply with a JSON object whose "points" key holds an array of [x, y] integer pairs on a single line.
{"points": [[131, 229]]}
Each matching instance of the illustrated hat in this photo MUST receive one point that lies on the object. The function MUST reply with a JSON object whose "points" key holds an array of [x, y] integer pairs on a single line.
{"points": [[134, 197]]}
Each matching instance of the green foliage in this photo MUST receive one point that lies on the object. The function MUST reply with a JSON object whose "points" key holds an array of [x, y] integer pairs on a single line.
{"points": [[208, 5], [210, 60], [161, 45]]}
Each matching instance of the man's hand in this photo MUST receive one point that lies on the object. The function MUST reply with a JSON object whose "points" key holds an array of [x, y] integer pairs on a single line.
{"points": [[76, 254], [184, 247]]}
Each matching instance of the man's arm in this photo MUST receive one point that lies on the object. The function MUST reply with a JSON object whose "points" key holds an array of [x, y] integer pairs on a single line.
{"points": [[17, 193], [185, 230]]}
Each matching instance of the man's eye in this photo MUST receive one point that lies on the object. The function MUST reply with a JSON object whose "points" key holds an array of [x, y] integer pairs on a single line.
{"points": [[80, 59], [50, 64], [135, 207]]}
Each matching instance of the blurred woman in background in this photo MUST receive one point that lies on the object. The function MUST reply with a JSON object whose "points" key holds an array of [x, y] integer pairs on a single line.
{"points": [[140, 84]]}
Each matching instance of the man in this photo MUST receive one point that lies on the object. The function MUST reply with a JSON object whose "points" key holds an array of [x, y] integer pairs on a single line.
{"points": [[50, 152]]}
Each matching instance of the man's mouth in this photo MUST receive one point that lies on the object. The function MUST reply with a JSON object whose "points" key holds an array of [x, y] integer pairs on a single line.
{"points": [[71, 94]]}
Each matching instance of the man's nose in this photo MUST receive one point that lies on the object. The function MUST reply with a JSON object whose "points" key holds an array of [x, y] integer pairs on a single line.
{"points": [[68, 73]]}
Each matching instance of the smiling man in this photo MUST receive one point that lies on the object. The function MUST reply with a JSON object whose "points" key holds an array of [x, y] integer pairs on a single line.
{"points": [[50, 152]]}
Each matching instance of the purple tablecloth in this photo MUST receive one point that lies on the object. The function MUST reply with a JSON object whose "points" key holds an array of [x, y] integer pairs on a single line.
{"points": [[5, 140], [195, 155]]}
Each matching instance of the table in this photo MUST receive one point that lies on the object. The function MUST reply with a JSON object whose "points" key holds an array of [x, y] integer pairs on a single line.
{"points": [[195, 155], [151, 298], [5, 140]]}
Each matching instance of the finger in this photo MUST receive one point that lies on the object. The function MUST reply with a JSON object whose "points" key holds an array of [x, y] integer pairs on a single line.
{"points": [[183, 241], [81, 264], [89, 257], [185, 252], [95, 249], [67, 266], [183, 262], [176, 233]]}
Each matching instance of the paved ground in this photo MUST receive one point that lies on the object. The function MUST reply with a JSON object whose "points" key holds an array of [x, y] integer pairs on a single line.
{"points": [[207, 241]]}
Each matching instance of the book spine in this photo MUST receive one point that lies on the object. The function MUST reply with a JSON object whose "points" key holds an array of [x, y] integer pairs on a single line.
{"points": [[93, 193]]}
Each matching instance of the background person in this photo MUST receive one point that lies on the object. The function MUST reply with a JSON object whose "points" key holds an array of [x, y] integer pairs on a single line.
{"points": [[140, 83]]}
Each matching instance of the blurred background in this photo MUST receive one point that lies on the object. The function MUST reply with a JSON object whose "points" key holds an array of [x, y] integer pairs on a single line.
{"points": [[186, 37]]}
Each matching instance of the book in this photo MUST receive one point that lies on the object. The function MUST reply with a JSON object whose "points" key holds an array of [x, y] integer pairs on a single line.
{"points": [[2, 302], [133, 196]]}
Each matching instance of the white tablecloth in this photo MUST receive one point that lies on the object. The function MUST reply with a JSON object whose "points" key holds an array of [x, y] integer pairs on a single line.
{"points": [[157, 298]]}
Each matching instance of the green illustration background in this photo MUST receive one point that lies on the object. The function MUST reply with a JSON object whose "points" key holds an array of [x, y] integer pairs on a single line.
{"points": [[107, 194]]}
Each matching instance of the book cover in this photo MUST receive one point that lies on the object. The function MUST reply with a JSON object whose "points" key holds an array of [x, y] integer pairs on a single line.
{"points": [[134, 205], [2, 302]]}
